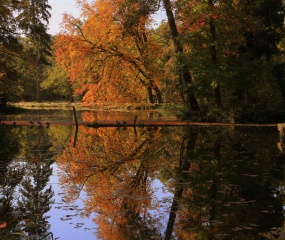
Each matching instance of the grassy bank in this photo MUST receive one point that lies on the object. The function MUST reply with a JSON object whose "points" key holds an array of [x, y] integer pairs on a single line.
{"points": [[218, 116]]}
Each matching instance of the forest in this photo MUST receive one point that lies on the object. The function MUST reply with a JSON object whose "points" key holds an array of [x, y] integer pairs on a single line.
{"points": [[215, 60]]}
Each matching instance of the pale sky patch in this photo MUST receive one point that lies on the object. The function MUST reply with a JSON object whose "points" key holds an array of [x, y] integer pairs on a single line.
{"points": [[59, 7]]}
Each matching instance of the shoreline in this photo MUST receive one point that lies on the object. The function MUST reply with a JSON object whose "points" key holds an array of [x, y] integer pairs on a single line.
{"points": [[138, 124]]}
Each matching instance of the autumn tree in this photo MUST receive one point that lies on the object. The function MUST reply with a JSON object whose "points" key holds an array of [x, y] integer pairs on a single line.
{"points": [[135, 18], [204, 43], [119, 62]]}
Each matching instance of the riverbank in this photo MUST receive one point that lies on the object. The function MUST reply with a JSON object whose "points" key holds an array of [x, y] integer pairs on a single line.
{"points": [[172, 114]]}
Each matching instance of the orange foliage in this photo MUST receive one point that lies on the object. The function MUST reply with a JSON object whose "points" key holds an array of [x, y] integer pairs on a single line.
{"points": [[3, 225], [104, 60], [116, 169]]}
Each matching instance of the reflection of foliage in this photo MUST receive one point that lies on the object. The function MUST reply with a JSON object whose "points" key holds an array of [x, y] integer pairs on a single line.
{"points": [[35, 201], [29, 174], [225, 181], [10, 176], [231, 187], [116, 168], [35, 196]]}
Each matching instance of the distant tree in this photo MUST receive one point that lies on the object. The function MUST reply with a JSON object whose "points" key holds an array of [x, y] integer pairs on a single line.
{"points": [[27, 19], [9, 46], [56, 81], [33, 19]]}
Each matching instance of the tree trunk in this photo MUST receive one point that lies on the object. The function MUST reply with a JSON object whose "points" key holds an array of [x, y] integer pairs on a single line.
{"points": [[218, 97], [3, 102], [70, 88], [214, 187], [185, 77], [279, 74], [38, 79], [158, 95], [150, 97], [217, 90], [186, 151]]}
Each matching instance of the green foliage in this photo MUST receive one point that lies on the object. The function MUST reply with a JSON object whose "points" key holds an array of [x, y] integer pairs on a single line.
{"points": [[20, 57], [269, 16], [132, 10], [232, 46], [33, 19], [211, 116], [55, 79]]}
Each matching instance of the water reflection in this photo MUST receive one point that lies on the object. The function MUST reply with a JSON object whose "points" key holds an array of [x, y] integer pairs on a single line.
{"points": [[147, 183], [25, 196], [226, 182]]}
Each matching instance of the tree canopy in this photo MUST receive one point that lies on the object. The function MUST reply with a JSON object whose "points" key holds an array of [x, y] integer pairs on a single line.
{"points": [[218, 57], [23, 29]]}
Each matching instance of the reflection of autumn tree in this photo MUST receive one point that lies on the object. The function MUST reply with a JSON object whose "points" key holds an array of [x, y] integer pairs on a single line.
{"points": [[111, 116], [116, 168], [224, 181]]}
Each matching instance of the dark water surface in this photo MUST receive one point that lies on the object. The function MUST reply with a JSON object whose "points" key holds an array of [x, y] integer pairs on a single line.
{"points": [[143, 183]]}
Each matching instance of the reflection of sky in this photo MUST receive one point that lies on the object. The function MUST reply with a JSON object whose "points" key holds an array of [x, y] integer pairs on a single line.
{"points": [[164, 198], [65, 220]]}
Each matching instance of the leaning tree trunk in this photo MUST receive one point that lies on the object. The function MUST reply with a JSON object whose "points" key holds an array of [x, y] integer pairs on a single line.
{"points": [[185, 77]]}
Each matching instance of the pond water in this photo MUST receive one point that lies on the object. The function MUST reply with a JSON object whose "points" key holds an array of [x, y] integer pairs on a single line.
{"points": [[143, 183]]}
